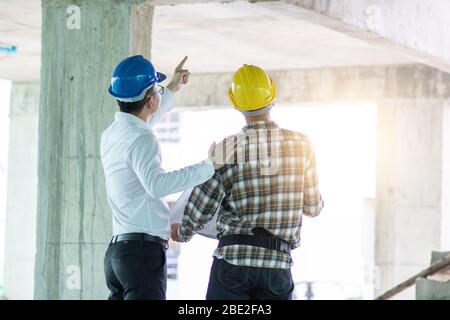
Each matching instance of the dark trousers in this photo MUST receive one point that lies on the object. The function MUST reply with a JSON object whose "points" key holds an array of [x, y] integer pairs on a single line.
{"points": [[136, 270], [231, 282]]}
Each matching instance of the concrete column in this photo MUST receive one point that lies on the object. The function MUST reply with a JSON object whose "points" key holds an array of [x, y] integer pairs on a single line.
{"points": [[409, 189], [20, 228], [73, 217]]}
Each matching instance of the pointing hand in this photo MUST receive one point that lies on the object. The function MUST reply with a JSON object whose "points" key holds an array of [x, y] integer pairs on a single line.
{"points": [[180, 77]]}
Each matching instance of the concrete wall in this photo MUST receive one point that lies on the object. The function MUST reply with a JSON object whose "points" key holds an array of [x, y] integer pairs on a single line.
{"points": [[20, 227]]}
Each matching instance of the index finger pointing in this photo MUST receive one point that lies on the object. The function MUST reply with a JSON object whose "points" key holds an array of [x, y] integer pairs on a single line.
{"points": [[181, 64]]}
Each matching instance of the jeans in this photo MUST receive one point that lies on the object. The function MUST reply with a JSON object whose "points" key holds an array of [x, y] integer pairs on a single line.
{"points": [[136, 270], [231, 282]]}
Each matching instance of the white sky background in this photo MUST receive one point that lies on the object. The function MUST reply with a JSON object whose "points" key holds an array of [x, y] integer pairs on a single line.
{"points": [[5, 90], [336, 248]]}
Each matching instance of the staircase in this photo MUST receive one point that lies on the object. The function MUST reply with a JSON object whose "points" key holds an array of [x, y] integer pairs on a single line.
{"points": [[432, 283]]}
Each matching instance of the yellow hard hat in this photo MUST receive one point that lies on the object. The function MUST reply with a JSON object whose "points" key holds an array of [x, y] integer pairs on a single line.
{"points": [[252, 89]]}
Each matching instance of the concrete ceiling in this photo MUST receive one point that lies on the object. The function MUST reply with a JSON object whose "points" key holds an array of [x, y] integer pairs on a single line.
{"points": [[217, 37], [221, 37]]}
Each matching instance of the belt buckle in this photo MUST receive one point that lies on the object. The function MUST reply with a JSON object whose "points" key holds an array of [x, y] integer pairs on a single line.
{"points": [[279, 245], [276, 243]]}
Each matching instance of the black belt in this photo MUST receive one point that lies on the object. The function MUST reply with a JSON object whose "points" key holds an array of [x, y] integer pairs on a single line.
{"points": [[139, 237], [267, 241]]}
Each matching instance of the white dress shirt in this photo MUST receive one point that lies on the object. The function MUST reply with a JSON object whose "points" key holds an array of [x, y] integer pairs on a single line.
{"points": [[135, 181]]}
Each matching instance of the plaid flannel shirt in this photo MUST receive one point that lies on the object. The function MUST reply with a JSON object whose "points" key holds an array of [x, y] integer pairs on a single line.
{"points": [[253, 191]]}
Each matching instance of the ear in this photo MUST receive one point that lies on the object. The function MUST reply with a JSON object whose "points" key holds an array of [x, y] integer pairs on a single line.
{"points": [[151, 104]]}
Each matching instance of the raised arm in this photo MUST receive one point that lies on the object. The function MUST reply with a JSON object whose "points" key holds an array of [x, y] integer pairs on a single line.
{"points": [[180, 77]]}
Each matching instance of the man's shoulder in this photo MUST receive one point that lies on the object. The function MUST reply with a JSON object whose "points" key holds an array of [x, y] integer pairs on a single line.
{"points": [[285, 135], [118, 132], [230, 138], [106, 134]]}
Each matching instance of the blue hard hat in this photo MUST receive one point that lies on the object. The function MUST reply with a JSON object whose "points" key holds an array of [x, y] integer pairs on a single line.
{"points": [[132, 78]]}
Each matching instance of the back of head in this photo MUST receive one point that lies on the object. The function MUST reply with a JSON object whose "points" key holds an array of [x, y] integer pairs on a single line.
{"points": [[131, 80]]}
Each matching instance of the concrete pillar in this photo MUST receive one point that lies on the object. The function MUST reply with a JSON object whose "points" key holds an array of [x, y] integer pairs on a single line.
{"points": [[20, 228], [73, 217], [409, 206]]}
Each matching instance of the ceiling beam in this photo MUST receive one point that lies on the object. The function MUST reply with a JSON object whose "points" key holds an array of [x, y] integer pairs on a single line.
{"points": [[327, 85]]}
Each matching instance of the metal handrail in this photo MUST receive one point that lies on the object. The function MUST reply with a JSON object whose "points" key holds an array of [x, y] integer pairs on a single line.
{"points": [[435, 267]]}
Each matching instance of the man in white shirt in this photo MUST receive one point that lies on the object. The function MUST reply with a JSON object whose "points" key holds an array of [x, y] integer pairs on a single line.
{"points": [[135, 262]]}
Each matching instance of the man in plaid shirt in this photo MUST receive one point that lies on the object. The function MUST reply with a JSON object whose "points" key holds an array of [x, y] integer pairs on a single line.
{"points": [[259, 199]]}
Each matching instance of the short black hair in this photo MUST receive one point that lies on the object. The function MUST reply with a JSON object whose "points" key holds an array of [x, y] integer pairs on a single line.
{"points": [[134, 107]]}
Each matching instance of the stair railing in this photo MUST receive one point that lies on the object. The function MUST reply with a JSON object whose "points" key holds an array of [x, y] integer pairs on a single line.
{"points": [[434, 268]]}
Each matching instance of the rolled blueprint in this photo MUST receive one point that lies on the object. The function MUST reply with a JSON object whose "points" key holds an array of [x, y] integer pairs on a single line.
{"points": [[176, 215]]}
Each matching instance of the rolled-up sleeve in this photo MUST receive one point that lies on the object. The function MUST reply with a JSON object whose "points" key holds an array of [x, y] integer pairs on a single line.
{"points": [[203, 204], [312, 199]]}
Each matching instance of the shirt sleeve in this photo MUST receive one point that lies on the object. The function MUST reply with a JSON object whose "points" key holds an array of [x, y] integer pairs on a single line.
{"points": [[145, 159], [167, 104], [312, 199], [202, 205]]}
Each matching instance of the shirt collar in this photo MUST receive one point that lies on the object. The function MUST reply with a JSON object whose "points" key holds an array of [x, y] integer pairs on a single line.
{"points": [[130, 119], [268, 124]]}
